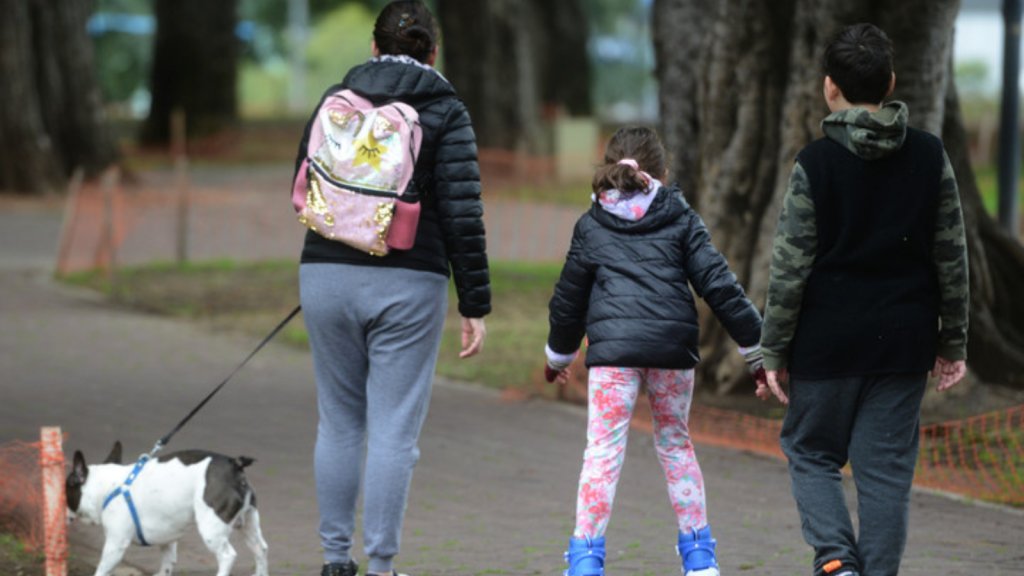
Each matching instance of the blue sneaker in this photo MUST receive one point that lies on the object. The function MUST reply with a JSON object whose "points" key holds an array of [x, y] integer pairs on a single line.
{"points": [[585, 557], [697, 549]]}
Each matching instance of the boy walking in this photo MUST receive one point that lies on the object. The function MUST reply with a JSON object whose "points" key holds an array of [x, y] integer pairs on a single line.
{"points": [[868, 292]]}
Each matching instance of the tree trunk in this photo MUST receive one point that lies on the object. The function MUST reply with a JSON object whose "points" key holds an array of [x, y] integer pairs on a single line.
{"points": [[755, 68], [562, 51], [678, 66], [52, 121], [995, 347], [195, 66], [502, 59]]}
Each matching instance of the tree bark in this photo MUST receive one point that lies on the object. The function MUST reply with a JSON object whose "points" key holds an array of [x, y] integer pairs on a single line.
{"points": [[195, 67], [756, 70], [503, 59], [995, 347], [562, 52], [52, 121], [679, 64]]}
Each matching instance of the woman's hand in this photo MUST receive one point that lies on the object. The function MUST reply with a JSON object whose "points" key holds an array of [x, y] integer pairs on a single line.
{"points": [[473, 333]]}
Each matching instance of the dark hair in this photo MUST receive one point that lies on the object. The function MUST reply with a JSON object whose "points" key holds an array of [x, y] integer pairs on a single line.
{"points": [[638, 143], [406, 27], [859, 61]]}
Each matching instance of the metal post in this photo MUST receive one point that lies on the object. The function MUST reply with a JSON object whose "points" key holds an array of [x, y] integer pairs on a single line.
{"points": [[179, 144], [1009, 128]]}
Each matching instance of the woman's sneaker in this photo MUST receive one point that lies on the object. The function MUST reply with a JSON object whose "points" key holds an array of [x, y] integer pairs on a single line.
{"points": [[349, 568], [697, 549], [585, 557]]}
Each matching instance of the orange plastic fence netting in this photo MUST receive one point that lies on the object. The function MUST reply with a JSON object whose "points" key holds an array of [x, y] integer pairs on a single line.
{"points": [[979, 457], [21, 492], [246, 215], [32, 497]]}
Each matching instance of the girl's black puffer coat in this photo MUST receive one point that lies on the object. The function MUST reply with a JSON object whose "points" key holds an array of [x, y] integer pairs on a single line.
{"points": [[451, 229], [624, 285]]}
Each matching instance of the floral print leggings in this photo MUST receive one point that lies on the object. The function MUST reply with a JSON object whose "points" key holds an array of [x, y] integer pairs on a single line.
{"points": [[612, 396]]}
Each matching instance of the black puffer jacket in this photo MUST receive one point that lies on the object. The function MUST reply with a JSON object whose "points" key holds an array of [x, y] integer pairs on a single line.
{"points": [[451, 229], [624, 285]]}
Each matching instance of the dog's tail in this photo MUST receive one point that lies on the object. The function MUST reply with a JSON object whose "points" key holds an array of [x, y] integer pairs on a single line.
{"points": [[243, 462]]}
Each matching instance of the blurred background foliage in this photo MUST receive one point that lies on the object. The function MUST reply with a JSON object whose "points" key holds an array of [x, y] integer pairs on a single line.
{"points": [[623, 85]]}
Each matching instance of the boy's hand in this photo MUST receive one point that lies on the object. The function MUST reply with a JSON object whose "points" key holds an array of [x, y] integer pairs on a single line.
{"points": [[775, 379], [950, 372]]}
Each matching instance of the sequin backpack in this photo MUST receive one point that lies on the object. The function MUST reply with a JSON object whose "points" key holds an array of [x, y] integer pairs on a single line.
{"points": [[355, 185]]}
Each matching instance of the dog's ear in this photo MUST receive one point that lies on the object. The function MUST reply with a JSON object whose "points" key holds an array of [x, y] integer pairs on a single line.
{"points": [[79, 470], [115, 454]]}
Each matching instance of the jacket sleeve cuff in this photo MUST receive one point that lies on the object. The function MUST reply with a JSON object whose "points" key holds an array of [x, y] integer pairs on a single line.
{"points": [[558, 360], [952, 352], [773, 360]]}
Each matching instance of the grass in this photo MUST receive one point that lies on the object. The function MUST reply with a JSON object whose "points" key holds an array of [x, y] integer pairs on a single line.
{"points": [[252, 298], [988, 186], [14, 552]]}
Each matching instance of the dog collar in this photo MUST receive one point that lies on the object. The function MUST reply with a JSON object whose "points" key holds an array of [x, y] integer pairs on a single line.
{"points": [[125, 490]]}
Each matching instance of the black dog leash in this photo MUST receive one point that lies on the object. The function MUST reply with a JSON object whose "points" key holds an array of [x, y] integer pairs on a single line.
{"points": [[167, 438]]}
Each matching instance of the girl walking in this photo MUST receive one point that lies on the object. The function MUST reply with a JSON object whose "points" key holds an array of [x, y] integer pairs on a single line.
{"points": [[624, 286]]}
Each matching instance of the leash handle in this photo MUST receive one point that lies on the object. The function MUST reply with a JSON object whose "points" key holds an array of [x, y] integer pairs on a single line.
{"points": [[167, 438]]}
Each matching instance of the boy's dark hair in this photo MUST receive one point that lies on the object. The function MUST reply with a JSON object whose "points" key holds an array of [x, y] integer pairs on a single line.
{"points": [[639, 143], [406, 27], [859, 61]]}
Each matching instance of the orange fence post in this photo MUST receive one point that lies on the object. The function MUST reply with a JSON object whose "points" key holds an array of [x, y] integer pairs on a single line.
{"points": [[51, 462]]}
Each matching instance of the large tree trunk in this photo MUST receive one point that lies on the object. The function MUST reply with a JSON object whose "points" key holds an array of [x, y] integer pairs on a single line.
{"points": [[755, 71], [52, 120], [195, 67], [502, 58]]}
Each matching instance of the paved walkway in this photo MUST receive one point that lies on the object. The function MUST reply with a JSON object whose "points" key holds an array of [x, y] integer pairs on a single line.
{"points": [[494, 491]]}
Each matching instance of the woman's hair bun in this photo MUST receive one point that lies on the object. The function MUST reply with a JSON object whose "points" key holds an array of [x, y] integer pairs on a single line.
{"points": [[406, 27]]}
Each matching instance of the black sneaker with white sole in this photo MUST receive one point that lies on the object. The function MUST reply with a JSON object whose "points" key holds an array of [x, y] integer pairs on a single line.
{"points": [[349, 568]]}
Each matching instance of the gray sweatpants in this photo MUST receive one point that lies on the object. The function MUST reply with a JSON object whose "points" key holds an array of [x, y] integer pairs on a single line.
{"points": [[374, 334], [873, 422]]}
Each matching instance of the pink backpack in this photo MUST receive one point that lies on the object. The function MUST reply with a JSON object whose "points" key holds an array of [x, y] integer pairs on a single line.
{"points": [[352, 187]]}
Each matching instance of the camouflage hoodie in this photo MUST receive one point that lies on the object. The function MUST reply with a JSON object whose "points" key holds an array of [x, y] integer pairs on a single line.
{"points": [[869, 136]]}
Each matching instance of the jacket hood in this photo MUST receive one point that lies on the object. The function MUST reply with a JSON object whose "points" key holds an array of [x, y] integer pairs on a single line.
{"points": [[869, 135], [390, 77], [668, 205]]}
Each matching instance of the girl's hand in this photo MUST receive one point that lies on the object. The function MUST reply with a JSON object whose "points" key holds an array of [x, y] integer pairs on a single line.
{"points": [[561, 377]]}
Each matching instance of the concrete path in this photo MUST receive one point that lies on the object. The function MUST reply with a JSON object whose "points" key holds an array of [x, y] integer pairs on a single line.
{"points": [[494, 491]]}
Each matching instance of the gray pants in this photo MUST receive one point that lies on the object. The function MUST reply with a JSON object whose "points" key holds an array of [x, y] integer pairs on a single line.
{"points": [[873, 422], [374, 334]]}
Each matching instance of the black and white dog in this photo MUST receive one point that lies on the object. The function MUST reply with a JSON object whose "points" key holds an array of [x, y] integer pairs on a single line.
{"points": [[154, 502]]}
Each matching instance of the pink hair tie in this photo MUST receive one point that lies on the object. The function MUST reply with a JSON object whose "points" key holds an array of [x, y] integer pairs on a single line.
{"points": [[633, 163]]}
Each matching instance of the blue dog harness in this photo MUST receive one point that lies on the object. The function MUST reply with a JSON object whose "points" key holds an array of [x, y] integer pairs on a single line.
{"points": [[124, 490]]}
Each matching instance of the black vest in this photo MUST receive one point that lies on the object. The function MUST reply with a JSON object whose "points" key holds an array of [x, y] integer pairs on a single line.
{"points": [[871, 303]]}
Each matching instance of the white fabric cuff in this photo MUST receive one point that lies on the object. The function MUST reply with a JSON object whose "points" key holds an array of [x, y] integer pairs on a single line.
{"points": [[744, 350], [556, 360]]}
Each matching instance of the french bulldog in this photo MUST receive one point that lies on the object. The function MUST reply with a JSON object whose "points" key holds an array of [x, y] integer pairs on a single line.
{"points": [[154, 502]]}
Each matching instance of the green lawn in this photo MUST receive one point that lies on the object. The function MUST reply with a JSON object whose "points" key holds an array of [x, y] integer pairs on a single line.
{"points": [[252, 298], [988, 186]]}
